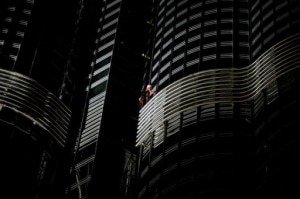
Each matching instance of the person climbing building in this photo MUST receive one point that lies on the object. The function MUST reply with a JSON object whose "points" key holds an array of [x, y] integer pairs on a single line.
{"points": [[149, 92], [146, 95]]}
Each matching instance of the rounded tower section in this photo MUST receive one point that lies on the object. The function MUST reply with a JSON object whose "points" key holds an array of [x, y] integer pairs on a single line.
{"points": [[208, 130]]}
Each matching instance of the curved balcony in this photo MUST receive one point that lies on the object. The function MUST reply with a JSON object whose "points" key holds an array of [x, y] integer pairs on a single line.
{"points": [[27, 97], [227, 85]]}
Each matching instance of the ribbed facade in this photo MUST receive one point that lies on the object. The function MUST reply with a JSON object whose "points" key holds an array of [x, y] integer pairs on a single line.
{"points": [[105, 153], [225, 72], [270, 22], [98, 78], [224, 121], [183, 29], [34, 95]]}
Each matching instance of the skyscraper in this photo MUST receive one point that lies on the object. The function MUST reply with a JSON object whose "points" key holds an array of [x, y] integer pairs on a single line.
{"points": [[36, 93], [71, 75], [226, 75], [105, 153], [223, 122]]}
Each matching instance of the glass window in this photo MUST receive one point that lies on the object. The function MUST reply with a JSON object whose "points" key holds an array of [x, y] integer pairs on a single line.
{"points": [[166, 55], [194, 38], [195, 27], [99, 88], [255, 16], [196, 5], [283, 28], [182, 22], [180, 45], [280, 6], [267, 4], [281, 17], [256, 38], [166, 44], [112, 4], [171, 10], [269, 38], [267, 27], [256, 26], [254, 6], [163, 80], [181, 3], [256, 50]]}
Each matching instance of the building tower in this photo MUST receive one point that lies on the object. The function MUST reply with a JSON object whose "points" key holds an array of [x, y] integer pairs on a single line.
{"points": [[105, 154], [86, 146], [70, 77], [36, 91], [226, 73]]}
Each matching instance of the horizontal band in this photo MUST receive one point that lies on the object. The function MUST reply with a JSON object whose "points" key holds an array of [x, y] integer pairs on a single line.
{"points": [[224, 85], [27, 97]]}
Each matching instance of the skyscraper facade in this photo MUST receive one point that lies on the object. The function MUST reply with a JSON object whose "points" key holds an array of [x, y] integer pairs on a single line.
{"points": [[223, 122], [104, 151], [86, 147], [226, 75], [36, 92], [70, 78]]}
